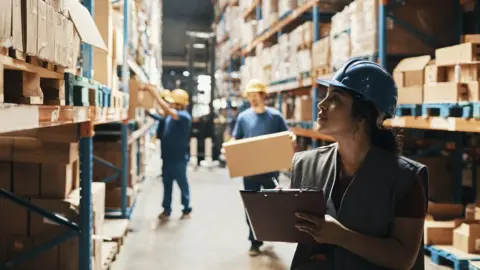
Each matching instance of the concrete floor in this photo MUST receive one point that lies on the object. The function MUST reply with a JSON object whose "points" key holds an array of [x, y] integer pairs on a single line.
{"points": [[215, 237]]}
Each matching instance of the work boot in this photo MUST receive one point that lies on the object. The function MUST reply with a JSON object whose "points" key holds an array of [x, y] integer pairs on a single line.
{"points": [[164, 216], [254, 250], [186, 216]]}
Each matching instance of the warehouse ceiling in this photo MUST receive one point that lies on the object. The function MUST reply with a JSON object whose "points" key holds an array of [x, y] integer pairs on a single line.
{"points": [[180, 16]]}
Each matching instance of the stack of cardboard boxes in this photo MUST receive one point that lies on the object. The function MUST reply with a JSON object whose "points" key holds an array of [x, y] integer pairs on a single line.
{"points": [[452, 77], [111, 152], [447, 226], [45, 174]]}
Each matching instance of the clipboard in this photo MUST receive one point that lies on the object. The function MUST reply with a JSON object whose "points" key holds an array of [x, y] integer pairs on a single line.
{"points": [[271, 213]]}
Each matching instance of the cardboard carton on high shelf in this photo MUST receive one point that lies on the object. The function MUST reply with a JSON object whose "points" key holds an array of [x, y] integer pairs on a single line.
{"points": [[464, 53], [303, 108], [451, 92], [321, 53], [467, 238], [471, 38], [6, 37], [17, 217], [261, 154], [434, 73], [409, 76]]}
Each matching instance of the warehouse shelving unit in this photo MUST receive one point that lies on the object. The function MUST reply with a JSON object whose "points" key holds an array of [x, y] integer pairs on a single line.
{"points": [[452, 130], [86, 118]]}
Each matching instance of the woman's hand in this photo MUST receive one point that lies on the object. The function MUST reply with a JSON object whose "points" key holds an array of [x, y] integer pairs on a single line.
{"points": [[323, 229]]}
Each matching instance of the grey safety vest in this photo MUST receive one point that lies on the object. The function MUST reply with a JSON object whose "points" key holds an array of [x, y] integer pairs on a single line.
{"points": [[367, 206]]}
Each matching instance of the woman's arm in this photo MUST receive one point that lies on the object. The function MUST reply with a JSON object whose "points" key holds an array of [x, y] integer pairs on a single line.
{"points": [[399, 251]]}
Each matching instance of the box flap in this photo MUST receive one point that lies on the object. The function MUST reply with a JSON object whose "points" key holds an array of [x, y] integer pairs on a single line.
{"points": [[85, 25], [413, 63]]}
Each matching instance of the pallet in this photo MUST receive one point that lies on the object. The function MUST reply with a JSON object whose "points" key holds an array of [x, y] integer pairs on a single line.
{"points": [[450, 256], [448, 110], [109, 254], [116, 230], [408, 110], [81, 91], [27, 80]]}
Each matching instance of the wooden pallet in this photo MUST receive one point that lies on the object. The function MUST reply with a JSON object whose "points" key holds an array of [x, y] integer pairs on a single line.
{"points": [[27, 80], [116, 230], [109, 254]]}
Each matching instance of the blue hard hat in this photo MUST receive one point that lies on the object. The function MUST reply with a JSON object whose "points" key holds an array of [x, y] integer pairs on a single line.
{"points": [[370, 81]]}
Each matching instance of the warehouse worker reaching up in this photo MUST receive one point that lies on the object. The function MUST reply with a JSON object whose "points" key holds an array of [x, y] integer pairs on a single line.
{"points": [[256, 121], [175, 137]]}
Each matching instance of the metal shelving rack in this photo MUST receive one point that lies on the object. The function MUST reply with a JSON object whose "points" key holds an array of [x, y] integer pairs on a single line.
{"points": [[312, 5], [86, 124], [457, 127]]}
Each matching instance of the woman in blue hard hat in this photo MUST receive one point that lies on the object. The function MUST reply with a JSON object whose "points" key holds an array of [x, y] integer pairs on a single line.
{"points": [[375, 199]]}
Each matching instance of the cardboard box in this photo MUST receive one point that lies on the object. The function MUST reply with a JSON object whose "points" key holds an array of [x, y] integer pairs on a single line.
{"points": [[445, 211], [31, 26], [446, 92], [467, 238], [6, 175], [37, 151], [42, 35], [17, 28], [458, 54], [17, 217], [303, 108], [258, 155], [439, 232], [98, 205], [475, 38], [57, 180], [68, 255], [40, 225], [26, 179], [49, 54], [321, 53], [434, 74], [468, 73], [6, 23], [410, 95], [410, 71]]}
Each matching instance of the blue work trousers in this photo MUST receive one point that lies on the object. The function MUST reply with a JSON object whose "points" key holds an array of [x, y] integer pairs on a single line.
{"points": [[171, 171], [256, 183]]}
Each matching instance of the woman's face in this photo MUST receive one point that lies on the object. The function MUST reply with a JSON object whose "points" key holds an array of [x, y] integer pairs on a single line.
{"points": [[335, 113]]}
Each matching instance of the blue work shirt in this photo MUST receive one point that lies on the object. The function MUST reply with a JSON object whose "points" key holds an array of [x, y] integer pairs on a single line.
{"points": [[251, 124], [174, 136]]}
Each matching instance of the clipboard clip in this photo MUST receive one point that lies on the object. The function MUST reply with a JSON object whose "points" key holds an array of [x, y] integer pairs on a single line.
{"points": [[278, 188]]}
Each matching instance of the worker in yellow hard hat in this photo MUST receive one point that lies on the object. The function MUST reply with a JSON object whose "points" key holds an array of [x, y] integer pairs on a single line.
{"points": [[256, 121], [175, 138]]}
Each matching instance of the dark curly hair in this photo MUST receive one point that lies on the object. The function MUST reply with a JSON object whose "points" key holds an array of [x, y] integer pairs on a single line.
{"points": [[387, 139]]}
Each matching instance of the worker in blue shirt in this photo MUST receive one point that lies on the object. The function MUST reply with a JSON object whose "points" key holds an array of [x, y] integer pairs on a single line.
{"points": [[175, 138], [256, 121]]}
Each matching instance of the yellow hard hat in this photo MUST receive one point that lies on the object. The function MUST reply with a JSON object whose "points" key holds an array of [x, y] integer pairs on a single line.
{"points": [[164, 93], [255, 86], [178, 96]]}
